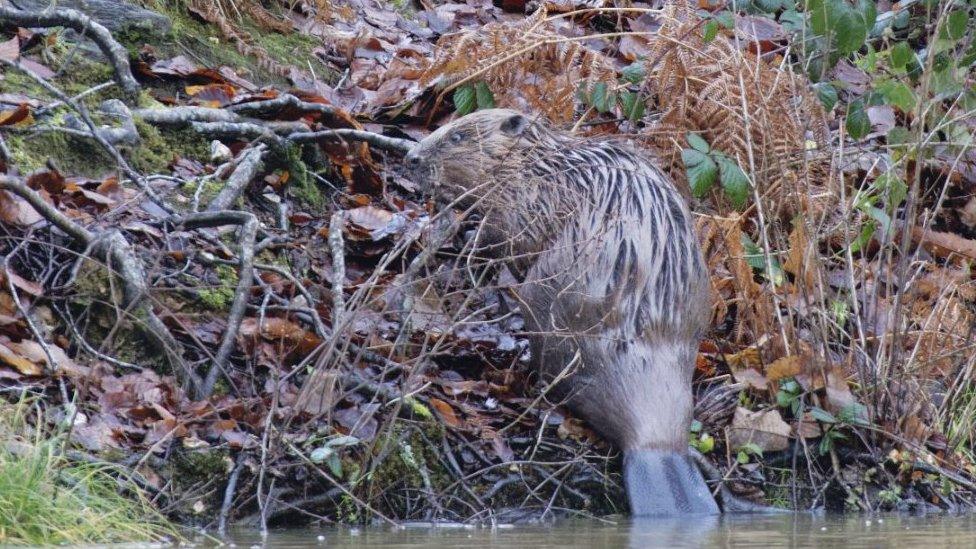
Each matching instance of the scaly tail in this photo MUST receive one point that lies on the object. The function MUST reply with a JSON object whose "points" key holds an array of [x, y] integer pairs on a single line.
{"points": [[663, 483]]}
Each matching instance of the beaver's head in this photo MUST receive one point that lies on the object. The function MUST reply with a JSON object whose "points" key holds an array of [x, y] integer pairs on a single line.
{"points": [[468, 155]]}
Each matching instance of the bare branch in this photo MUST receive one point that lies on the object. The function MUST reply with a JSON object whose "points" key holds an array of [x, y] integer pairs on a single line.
{"points": [[86, 26]]}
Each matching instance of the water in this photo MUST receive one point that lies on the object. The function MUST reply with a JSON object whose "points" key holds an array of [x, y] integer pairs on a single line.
{"points": [[795, 531]]}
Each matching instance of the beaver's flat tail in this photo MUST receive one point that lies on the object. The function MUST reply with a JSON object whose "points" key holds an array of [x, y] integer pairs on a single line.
{"points": [[664, 484]]}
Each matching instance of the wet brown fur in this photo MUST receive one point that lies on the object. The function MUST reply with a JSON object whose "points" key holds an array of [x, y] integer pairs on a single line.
{"points": [[614, 290]]}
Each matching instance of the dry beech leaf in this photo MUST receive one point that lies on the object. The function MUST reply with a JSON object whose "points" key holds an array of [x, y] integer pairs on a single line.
{"points": [[19, 363], [788, 366], [446, 411], [766, 429], [752, 378]]}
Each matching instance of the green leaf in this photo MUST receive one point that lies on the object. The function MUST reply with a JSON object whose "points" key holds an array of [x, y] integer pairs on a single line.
{"points": [[899, 95], [634, 72], [342, 440], [899, 135], [784, 399], [698, 143], [895, 188], [849, 32], [827, 94], [484, 97], [864, 237], [901, 55], [464, 99], [599, 97], [879, 215], [631, 106], [955, 25], [752, 448], [822, 415], [858, 124], [321, 454], [771, 6], [792, 20], [742, 458], [726, 19], [701, 170], [710, 31], [854, 414], [705, 443], [757, 260], [734, 182], [335, 465]]}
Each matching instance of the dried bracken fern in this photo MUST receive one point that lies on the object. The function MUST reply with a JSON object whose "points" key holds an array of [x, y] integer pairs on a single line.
{"points": [[759, 114], [227, 16], [526, 64]]}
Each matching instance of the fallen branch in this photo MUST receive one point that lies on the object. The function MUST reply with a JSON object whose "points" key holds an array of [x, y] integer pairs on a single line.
{"points": [[247, 169], [394, 144], [245, 277], [114, 250], [228, 122], [117, 55], [283, 100]]}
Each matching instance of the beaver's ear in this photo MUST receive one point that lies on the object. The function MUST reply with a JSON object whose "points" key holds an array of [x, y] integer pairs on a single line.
{"points": [[514, 125]]}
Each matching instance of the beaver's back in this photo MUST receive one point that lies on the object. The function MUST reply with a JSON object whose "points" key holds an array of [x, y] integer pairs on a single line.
{"points": [[619, 296]]}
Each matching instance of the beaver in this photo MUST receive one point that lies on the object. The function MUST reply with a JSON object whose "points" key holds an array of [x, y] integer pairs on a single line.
{"points": [[612, 284]]}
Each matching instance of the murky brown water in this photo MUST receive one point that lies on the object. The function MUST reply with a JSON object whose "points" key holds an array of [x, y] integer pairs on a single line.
{"points": [[795, 531]]}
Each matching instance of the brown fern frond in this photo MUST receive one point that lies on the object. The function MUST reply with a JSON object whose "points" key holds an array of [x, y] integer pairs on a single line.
{"points": [[526, 64], [757, 113]]}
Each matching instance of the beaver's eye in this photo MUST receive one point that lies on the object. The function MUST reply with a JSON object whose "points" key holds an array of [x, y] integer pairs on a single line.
{"points": [[456, 137]]}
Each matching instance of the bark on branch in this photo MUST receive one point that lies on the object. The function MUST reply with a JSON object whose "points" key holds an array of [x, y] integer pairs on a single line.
{"points": [[85, 26]]}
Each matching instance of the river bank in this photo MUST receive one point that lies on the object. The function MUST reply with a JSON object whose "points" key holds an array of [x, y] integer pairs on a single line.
{"points": [[219, 284]]}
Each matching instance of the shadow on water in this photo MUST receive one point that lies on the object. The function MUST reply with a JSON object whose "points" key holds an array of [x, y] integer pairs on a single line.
{"points": [[734, 531]]}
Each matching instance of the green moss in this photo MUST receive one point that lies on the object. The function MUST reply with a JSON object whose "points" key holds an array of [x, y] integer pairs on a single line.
{"points": [[193, 468], [301, 182], [70, 153], [160, 146], [219, 298], [77, 155], [205, 43]]}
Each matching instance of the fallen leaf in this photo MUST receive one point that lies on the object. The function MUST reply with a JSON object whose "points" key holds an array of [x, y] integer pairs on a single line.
{"points": [[765, 428], [752, 378], [787, 366], [19, 116], [19, 363], [10, 50], [446, 411]]}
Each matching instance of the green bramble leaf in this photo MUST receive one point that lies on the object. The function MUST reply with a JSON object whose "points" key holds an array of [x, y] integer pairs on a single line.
{"points": [[822, 415], [484, 98], [701, 170], [464, 99], [898, 95], [901, 55], [634, 72], [734, 181], [599, 98], [827, 94], [696, 142], [858, 124]]}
